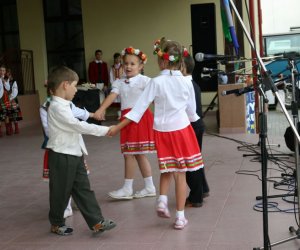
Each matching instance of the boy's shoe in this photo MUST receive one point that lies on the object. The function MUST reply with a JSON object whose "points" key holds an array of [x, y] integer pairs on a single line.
{"points": [[162, 210], [121, 194], [205, 195], [180, 223], [68, 213], [145, 193], [104, 225], [188, 203], [63, 230]]}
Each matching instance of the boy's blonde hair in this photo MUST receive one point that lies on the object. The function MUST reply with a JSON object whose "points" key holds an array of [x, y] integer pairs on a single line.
{"points": [[58, 75]]}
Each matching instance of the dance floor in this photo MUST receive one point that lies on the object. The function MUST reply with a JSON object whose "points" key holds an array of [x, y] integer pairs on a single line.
{"points": [[227, 220]]}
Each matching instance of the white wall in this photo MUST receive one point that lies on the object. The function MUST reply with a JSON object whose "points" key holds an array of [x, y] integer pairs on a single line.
{"points": [[279, 15]]}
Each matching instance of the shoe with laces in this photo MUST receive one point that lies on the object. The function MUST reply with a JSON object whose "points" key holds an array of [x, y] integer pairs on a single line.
{"points": [[145, 193], [162, 210], [180, 223], [121, 194]]}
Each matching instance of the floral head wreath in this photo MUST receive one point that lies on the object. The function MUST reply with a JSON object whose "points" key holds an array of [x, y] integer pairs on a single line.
{"points": [[165, 55], [137, 52]]}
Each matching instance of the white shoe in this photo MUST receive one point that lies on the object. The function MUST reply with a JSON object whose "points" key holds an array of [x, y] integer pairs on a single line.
{"points": [[162, 210], [180, 223], [68, 213], [121, 194], [145, 193]]}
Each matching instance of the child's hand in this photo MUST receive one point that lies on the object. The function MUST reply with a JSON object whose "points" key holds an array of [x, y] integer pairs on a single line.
{"points": [[113, 130], [99, 115], [92, 115]]}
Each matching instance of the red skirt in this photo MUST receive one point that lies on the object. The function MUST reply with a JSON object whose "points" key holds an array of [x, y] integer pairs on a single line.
{"points": [[138, 138], [178, 151]]}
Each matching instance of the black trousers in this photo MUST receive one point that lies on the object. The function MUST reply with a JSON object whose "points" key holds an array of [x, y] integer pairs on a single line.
{"points": [[68, 177], [196, 180]]}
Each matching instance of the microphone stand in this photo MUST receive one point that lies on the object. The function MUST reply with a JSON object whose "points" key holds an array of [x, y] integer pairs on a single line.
{"points": [[267, 81]]}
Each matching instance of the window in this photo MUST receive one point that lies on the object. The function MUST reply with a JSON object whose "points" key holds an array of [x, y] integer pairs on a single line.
{"points": [[64, 35], [281, 43], [9, 27]]}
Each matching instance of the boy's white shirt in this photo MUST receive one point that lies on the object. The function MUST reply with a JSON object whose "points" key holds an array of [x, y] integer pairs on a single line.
{"points": [[65, 130], [79, 113]]}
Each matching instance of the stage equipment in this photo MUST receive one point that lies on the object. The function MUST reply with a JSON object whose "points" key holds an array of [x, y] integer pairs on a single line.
{"points": [[268, 83], [238, 92], [199, 57]]}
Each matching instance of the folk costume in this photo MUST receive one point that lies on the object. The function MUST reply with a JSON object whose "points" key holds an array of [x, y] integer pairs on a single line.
{"points": [[6, 109], [136, 138], [15, 114], [174, 102]]}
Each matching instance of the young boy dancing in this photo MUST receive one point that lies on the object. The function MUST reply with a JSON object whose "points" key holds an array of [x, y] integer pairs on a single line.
{"points": [[68, 176]]}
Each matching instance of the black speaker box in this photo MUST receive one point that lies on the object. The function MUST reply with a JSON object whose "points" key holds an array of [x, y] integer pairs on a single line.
{"points": [[203, 20]]}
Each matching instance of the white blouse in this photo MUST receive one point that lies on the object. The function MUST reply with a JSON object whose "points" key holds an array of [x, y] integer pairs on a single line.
{"points": [[130, 89], [174, 102]]}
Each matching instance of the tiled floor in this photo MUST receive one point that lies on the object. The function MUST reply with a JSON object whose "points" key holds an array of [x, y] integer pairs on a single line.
{"points": [[227, 219]]}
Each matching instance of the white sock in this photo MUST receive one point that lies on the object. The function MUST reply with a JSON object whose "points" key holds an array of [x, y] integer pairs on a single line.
{"points": [[128, 184], [163, 198], [149, 183], [180, 214]]}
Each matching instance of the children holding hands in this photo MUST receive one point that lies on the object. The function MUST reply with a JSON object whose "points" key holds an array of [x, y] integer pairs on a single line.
{"points": [[174, 104]]}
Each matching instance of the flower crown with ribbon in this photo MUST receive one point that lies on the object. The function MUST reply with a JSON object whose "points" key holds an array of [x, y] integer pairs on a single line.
{"points": [[137, 52], [166, 55]]}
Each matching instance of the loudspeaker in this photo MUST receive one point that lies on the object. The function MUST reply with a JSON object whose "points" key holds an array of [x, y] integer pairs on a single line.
{"points": [[289, 138], [88, 99], [203, 18]]}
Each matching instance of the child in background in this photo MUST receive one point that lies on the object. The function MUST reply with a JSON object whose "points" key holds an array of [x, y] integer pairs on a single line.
{"points": [[79, 113], [4, 101], [196, 180], [2, 107], [117, 72], [68, 176], [175, 140], [15, 114], [136, 139]]}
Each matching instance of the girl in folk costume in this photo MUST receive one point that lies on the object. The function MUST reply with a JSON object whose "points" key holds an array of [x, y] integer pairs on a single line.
{"points": [[15, 114], [2, 106], [175, 140], [5, 104], [79, 113], [138, 138], [117, 72]]}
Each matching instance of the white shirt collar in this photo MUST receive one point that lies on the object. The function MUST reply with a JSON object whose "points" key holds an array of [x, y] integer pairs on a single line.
{"points": [[61, 100], [98, 61], [171, 72], [189, 77]]}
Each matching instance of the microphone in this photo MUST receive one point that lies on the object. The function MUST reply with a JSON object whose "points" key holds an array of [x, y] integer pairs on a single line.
{"points": [[209, 70], [238, 92], [199, 57]]}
